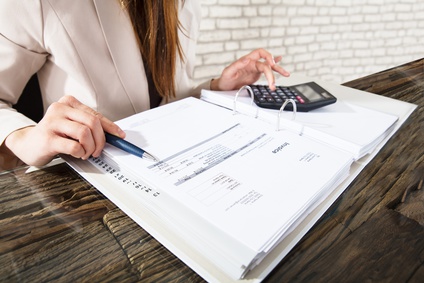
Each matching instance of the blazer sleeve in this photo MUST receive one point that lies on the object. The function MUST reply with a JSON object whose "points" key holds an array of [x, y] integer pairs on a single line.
{"points": [[21, 55]]}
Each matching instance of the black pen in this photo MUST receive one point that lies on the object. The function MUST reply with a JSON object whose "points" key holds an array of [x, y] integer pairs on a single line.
{"points": [[128, 147]]}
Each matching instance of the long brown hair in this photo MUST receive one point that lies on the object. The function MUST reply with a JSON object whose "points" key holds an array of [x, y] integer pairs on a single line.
{"points": [[156, 25]]}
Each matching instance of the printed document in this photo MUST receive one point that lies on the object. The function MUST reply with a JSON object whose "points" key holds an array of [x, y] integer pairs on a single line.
{"points": [[233, 171]]}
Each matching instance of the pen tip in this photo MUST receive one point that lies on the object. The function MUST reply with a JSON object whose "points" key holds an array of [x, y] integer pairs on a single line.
{"points": [[151, 157]]}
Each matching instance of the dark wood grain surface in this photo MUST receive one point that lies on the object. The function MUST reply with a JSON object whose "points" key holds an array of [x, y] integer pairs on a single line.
{"points": [[54, 226]]}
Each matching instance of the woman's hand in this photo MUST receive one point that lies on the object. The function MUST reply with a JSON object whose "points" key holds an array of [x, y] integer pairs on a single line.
{"points": [[248, 69], [68, 127]]}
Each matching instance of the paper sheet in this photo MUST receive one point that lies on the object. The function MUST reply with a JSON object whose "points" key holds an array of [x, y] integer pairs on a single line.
{"points": [[233, 171]]}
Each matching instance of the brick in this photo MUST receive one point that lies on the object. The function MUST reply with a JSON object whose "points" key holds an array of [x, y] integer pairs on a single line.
{"points": [[321, 20], [280, 21], [264, 32], [305, 39], [403, 8], [293, 3], [245, 34], [260, 22], [250, 12], [264, 10], [209, 2], [297, 49], [255, 2], [207, 24], [307, 11], [214, 36], [291, 30], [279, 11], [206, 48], [372, 18], [360, 44], [233, 2], [339, 20], [235, 23], [204, 72], [225, 12], [231, 45], [338, 11], [309, 30], [304, 57], [356, 18], [275, 42], [218, 58], [301, 21], [253, 44], [371, 10]]}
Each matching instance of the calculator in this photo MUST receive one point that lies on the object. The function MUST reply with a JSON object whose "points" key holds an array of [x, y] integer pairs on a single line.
{"points": [[307, 96]]}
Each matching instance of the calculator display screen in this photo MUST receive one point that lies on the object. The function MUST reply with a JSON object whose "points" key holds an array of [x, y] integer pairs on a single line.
{"points": [[309, 92]]}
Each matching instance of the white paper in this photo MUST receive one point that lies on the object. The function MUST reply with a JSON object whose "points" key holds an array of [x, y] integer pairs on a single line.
{"points": [[233, 171]]}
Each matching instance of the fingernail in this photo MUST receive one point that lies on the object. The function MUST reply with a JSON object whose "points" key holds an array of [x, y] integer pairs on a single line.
{"points": [[121, 133]]}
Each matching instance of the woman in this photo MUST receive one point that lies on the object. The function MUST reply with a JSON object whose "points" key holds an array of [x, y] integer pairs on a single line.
{"points": [[96, 59]]}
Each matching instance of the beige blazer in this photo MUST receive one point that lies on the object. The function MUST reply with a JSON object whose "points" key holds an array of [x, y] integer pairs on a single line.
{"points": [[84, 48]]}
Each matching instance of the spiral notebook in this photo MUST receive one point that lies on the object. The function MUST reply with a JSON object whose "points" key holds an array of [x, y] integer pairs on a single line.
{"points": [[231, 194]]}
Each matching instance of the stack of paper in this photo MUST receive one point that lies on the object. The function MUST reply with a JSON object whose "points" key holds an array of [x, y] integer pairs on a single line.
{"points": [[232, 186], [231, 195]]}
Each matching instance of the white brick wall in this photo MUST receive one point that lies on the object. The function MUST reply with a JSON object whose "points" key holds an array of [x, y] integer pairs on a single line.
{"points": [[334, 40]]}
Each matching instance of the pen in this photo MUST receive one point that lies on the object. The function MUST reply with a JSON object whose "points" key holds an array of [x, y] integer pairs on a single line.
{"points": [[128, 147]]}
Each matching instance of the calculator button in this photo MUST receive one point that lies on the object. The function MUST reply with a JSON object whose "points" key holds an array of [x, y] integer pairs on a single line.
{"points": [[300, 99]]}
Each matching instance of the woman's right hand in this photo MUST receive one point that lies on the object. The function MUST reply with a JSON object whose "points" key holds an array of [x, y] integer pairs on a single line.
{"points": [[68, 127]]}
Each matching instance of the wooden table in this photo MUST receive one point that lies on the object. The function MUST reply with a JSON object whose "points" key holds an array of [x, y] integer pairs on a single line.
{"points": [[54, 226]]}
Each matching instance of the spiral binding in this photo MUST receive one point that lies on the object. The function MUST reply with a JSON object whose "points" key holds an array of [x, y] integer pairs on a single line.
{"points": [[282, 108], [249, 89]]}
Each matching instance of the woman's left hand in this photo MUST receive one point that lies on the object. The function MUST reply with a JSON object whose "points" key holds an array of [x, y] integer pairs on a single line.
{"points": [[248, 69]]}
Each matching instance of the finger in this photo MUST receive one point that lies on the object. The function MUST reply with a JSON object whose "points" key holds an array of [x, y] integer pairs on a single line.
{"points": [[281, 70], [87, 129], [273, 63], [80, 137], [79, 125], [262, 54], [267, 71], [109, 126], [234, 67], [59, 139], [106, 124], [278, 59], [67, 146]]}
